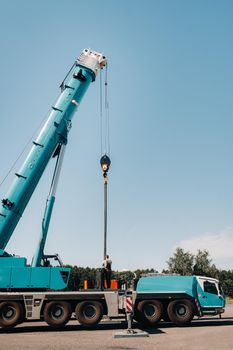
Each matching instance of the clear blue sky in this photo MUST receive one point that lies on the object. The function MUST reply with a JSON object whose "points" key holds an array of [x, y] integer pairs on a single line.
{"points": [[171, 104]]}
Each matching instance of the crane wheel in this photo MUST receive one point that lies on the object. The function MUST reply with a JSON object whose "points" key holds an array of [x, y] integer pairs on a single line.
{"points": [[11, 314], [89, 313], [149, 312], [180, 312], [57, 313], [137, 316]]}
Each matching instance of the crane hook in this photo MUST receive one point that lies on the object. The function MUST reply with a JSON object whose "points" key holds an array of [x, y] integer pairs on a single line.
{"points": [[105, 163]]}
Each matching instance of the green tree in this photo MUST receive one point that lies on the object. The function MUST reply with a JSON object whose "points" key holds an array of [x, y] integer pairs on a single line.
{"points": [[186, 263], [202, 266], [79, 274], [123, 277], [226, 282], [181, 262]]}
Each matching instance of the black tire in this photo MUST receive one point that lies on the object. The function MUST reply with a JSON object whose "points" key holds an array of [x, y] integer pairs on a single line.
{"points": [[180, 312], [165, 316], [57, 313], [149, 312], [89, 313], [137, 315], [11, 314]]}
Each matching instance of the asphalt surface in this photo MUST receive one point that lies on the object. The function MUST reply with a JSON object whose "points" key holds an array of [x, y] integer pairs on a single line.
{"points": [[203, 334]]}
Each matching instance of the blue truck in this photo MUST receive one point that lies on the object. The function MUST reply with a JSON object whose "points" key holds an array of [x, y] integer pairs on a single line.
{"points": [[177, 298], [37, 291]]}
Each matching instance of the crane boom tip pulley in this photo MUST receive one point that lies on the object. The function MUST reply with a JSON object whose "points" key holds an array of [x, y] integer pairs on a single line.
{"points": [[92, 60]]}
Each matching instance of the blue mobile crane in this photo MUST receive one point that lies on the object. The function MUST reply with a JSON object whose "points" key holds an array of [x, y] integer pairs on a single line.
{"points": [[35, 292], [15, 274]]}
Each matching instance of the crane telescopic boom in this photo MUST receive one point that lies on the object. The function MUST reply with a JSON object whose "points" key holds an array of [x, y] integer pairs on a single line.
{"points": [[52, 138]]}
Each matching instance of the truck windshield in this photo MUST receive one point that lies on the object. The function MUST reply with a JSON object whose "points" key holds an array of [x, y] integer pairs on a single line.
{"points": [[210, 287]]}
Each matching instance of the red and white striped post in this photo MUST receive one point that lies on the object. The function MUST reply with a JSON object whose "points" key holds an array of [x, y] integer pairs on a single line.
{"points": [[129, 304], [129, 309]]}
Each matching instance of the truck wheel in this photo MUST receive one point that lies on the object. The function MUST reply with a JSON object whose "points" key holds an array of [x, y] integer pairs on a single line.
{"points": [[149, 312], [180, 312], [89, 313], [137, 315], [11, 314], [57, 313]]}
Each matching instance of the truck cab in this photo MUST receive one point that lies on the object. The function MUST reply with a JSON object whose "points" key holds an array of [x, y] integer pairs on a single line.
{"points": [[209, 294]]}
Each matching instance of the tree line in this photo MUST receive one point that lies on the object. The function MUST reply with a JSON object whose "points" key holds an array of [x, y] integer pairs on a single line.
{"points": [[182, 262]]}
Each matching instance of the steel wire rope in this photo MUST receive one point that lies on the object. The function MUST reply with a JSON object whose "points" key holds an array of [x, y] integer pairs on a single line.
{"points": [[104, 115], [107, 114], [67, 75], [101, 114]]}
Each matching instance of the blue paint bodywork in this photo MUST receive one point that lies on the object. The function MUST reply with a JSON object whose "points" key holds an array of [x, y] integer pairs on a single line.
{"points": [[168, 284], [14, 272]]}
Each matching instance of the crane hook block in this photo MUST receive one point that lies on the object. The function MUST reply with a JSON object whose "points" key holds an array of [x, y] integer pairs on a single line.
{"points": [[105, 164]]}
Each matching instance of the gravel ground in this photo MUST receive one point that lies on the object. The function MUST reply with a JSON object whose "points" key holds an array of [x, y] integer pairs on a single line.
{"points": [[204, 334]]}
